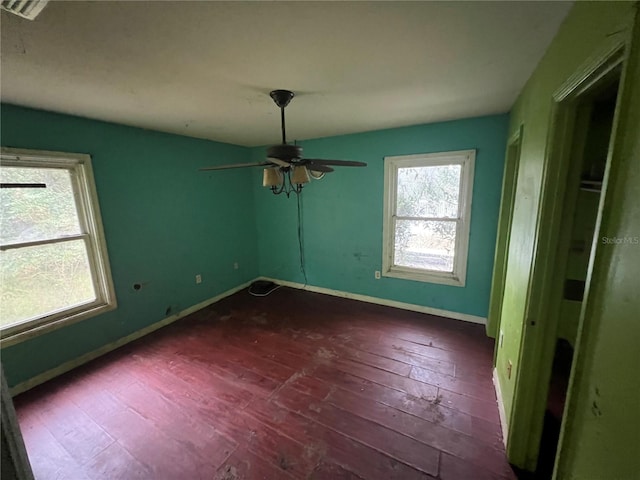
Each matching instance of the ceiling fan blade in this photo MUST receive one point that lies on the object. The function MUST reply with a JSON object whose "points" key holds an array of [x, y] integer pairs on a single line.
{"points": [[235, 165], [319, 168], [337, 163], [277, 161], [23, 185]]}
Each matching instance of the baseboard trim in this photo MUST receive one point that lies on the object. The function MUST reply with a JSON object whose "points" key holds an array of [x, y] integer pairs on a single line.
{"points": [[87, 357], [501, 410], [381, 301], [76, 362]]}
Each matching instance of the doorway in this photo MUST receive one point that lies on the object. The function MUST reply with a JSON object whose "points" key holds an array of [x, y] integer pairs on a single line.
{"points": [[576, 245], [501, 258], [584, 143]]}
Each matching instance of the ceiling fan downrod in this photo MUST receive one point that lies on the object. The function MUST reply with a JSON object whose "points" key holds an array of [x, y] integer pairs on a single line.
{"points": [[282, 99]]}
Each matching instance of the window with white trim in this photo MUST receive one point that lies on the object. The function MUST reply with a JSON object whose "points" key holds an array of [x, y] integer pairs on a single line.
{"points": [[54, 268], [427, 213]]}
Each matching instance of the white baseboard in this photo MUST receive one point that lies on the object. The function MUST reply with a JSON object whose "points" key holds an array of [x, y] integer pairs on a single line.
{"points": [[381, 301], [76, 362], [87, 357], [501, 410]]}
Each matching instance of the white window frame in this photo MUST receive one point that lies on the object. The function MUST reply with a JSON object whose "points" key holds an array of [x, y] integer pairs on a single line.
{"points": [[464, 158], [92, 233]]}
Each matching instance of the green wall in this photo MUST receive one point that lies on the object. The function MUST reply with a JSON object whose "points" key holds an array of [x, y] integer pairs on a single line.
{"points": [[164, 223], [342, 215], [600, 442], [602, 436]]}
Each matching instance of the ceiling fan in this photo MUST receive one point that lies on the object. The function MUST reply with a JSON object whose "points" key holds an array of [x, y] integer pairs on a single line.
{"points": [[286, 171]]}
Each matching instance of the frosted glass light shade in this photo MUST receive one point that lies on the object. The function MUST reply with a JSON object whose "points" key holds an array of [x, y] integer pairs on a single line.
{"points": [[271, 177], [300, 175]]}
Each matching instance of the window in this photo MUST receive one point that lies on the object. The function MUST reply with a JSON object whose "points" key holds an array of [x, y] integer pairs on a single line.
{"points": [[53, 260], [427, 209]]}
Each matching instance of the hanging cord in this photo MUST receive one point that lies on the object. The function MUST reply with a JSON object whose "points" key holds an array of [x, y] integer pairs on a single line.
{"points": [[300, 242]]}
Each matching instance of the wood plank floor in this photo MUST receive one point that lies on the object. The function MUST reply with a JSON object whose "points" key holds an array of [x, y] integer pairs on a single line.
{"points": [[295, 385]]}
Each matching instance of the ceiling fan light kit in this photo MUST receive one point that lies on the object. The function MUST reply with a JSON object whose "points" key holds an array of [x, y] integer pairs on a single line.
{"points": [[300, 176], [285, 179], [286, 170], [271, 177]]}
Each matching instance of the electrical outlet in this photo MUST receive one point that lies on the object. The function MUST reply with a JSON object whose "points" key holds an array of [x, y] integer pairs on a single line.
{"points": [[198, 278], [501, 341], [236, 266], [377, 274], [509, 367]]}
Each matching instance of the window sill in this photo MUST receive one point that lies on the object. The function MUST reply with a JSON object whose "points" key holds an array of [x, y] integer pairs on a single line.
{"points": [[423, 276], [22, 332]]}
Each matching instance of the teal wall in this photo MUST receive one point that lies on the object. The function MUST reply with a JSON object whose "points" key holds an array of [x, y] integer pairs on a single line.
{"points": [[342, 215], [164, 223]]}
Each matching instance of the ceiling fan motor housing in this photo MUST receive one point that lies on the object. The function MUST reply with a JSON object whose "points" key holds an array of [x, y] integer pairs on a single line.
{"points": [[285, 152]]}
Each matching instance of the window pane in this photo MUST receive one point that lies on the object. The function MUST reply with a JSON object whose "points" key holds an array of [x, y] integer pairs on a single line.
{"points": [[426, 245], [36, 281], [29, 214], [429, 191]]}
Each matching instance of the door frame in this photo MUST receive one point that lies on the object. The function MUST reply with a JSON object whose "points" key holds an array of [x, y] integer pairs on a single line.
{"points": [[540, 324], [505, 221], [12, 437]]}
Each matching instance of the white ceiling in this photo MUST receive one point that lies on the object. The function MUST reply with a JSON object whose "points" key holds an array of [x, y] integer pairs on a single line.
{"points": [[204, 69]]}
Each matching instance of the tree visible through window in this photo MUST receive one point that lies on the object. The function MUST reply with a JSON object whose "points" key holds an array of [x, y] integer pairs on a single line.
{"points": [[52, 258], [427, 207]]}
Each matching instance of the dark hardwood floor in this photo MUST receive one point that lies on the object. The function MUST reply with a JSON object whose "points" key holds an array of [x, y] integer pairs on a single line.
{"points": [[293, 385]]}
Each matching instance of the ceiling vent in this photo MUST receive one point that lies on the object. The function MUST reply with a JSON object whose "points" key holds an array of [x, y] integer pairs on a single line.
{"points": [[28, 9]]}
